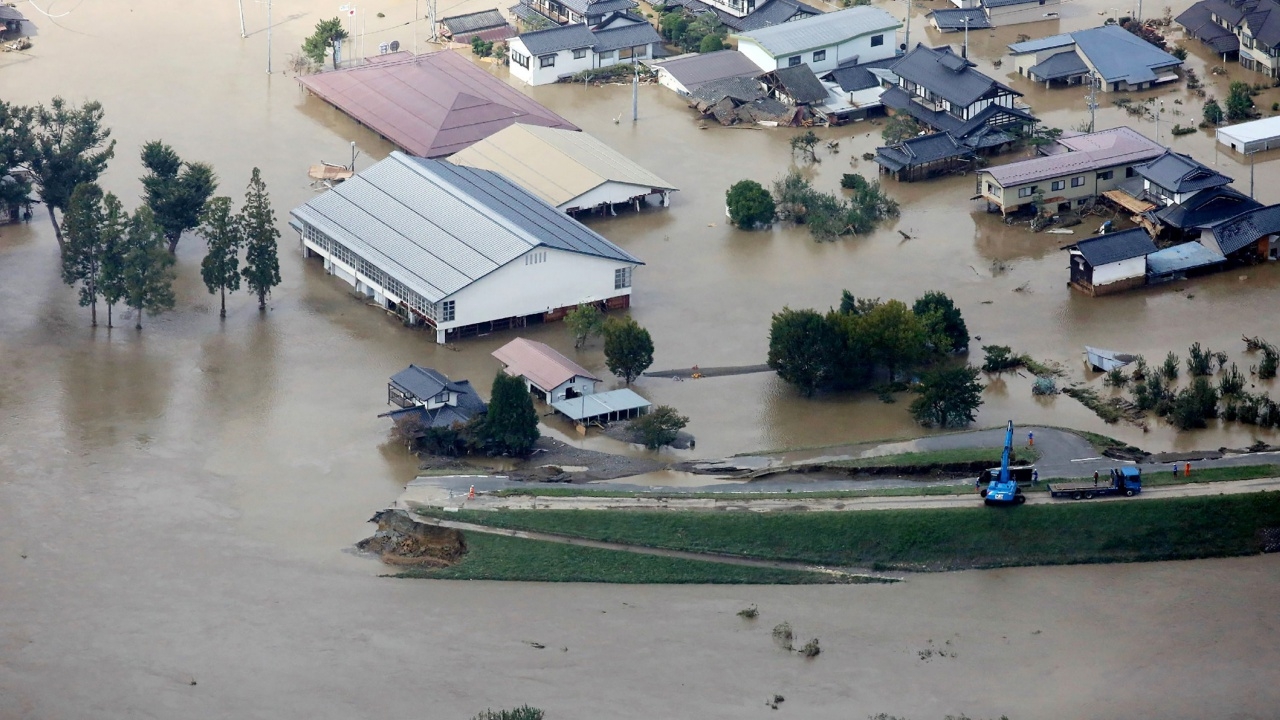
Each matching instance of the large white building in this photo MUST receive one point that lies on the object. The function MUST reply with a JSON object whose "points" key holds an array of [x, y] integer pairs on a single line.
{"points": [[548, 56], [460, 249], [823, 41]]}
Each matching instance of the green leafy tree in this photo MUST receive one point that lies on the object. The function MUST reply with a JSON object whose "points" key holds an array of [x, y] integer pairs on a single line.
{"points": [[1213, 112], [258, 223], [82, 255], [800, 349], [62, 147], [660, 426], [750, 205], [895, 336], [584, 321], [942, 318], [1195, 405], [113, 236], [481, 47], [948, 397], [804, 143], [711, 43], [147, 270], [510, 426], [175, 190], [15, 122], [220, 268], [325, 41], [628, 348], [673, 25], [900, 127], [1239, 101]]}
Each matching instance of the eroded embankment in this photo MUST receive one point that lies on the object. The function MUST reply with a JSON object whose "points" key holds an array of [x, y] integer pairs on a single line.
{"points": [[400, 540]]}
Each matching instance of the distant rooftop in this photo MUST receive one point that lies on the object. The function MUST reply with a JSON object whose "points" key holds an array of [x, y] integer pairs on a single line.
{"points": [[697, 69], [1117, 54], [819, 31], [945, 74]]}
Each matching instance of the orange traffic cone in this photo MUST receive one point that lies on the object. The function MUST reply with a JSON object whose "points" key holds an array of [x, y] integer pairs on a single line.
{"points": [[471, 494]]}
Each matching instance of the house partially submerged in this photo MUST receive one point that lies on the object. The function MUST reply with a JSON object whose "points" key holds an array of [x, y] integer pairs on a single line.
{"points": [[686, 73], [924, 157], [1072, 172], [573, 171], [602, 408], [747, 15], [999, 13], [1118, 58], [742, 100], [944, 92], [1176, 198], [559, 53], [13, 24], [429, 105], [1248, 138], [855, 88], [1112, 262], [537, 13], [1249, 237], [550, 376], [1249, 29], [795, 86], [461, 250], [488, 25], [960, 19], [432, 398], [822, 41]]}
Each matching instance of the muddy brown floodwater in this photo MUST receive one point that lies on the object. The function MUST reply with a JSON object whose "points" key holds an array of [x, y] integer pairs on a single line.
{"points": [[175, 504]]}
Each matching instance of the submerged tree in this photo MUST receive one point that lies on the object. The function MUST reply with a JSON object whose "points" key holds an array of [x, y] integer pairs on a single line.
{"points": [[949, 397], [660, 426], [325, 41], [1213, 114], [942, 319], [750, 205], [258, 222], [83, 253], [220, 268], [14, 188], [510, 425], [175, 190], [113, 236], [628, 348], [63, 147], [147, 272], [584, 321], [800, 348]]}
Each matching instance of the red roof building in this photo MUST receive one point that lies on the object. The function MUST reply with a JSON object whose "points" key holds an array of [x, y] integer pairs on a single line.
{"points": [[429, 105]]}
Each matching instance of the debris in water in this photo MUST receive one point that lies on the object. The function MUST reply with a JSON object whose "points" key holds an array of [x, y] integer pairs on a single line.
{"points": [[535, 645]]}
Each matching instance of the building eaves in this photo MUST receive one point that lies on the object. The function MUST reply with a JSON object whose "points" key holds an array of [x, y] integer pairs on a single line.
{"points": [[539, 364], [1198, 22], [1116, 247], [1119, 55], [1090, 152], [800, 84], [553, 40], [946, 75], [1206, 208], [1044, 43], [959, 18], [626, 36], [1058, 67], [1180, 173], [422, 383], [821, 31]]}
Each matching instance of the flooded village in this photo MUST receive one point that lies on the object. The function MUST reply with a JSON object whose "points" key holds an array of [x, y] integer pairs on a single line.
{"points": [[178, 505]]}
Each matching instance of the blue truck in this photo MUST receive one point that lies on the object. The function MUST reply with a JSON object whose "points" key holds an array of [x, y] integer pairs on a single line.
{"points": [[1125, 481], [1002, 483]]}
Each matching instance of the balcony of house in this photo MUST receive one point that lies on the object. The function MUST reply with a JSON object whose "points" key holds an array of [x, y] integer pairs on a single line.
{"points": [[553, 10]]}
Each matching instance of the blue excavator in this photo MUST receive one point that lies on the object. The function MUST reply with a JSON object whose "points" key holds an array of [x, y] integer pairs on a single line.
{"points": [[1002, 484]]}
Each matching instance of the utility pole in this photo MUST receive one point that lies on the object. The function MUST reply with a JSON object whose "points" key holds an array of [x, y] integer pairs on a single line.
{"points": [[965, 54], [242, 32], [415, 27], [1139, 10], [906, 39], [1093, 101], [635, 93], [1250, 175], [268, 37]]}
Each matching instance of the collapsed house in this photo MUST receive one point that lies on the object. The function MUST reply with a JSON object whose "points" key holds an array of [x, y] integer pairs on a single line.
{"points": [[743, 100]]}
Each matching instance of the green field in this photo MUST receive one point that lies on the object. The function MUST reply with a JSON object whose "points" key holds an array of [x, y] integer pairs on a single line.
{"points": [[1218, 474], [493, 557], [955, 456], [936, 539]]}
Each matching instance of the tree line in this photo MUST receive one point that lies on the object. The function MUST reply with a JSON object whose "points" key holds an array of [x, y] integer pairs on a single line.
{"points": [[117, 256], [861, 342]]}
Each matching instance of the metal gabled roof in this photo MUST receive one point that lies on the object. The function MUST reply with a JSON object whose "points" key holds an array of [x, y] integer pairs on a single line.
{"points": [[437, 227], [556, 165], [1116, 246], [823, 30], [553, 40]]}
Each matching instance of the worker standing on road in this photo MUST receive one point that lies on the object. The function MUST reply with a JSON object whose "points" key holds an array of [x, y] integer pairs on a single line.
{"points": [[1035, 476], [1031, 438], [1095, 478]]}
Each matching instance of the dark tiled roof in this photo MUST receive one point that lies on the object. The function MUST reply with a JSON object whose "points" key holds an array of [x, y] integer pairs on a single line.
{"points": [[852, 77], [1246, 228], [740, 89], [800, 84], [1116, 246], [1057, 67], [954, 19], [565, 37], [695, 70], [603, 7], [973, 132], [422, 383], [1118, 54], [429, 105], [921, 150], [1206, 208], [1004, 3], [1197, 22], [946, 75], [774, 12], [625, 36], [1179, 173], [473, 22]]}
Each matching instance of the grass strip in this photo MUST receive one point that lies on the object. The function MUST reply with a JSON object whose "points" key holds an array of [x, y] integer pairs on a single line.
{"points": [[935, 539], [1153, 478], [953, 456], [493, 557]]}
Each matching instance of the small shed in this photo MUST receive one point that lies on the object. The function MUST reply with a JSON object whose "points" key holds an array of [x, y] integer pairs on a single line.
{"points": [[550, 376], [601, 408], [1251, 137], [488, 25], [924, 157], [1181, 261], [432, 397], [1111, 263]]}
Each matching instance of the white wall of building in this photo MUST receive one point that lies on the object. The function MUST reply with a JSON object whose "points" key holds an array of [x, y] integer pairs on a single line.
{"points": [[1025, 13], [580, 385], [536, 74], [523, 288], [608, 192], [831, 55], [667, 80], [1117, 271]]}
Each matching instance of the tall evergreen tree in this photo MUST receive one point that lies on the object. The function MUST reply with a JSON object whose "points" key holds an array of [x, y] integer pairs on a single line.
{"points": [[220, 268], [114, 234], [82, 254], [510, 426], [325, 40], [261, 263], [15, 122], [62, 147], [175, 190], [147, 271]]}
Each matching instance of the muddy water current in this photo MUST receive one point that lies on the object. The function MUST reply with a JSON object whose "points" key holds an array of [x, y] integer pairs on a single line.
{"points": [[175, 504]]}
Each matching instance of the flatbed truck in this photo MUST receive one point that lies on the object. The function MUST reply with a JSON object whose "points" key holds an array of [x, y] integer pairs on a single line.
{"points": [[1125, 481]]}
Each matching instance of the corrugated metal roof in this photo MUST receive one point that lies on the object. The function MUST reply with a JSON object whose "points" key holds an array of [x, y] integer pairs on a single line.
{"points": [[1253, 131], [958, 18], [429, 105], [1056, 67], [556, 165], [539, 364], [823, 30], [1044, 43], [1116, 246], [438, 228], [595, 405], [1094, 151], [1118, 54], [695, 70], [1181, 258]]}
